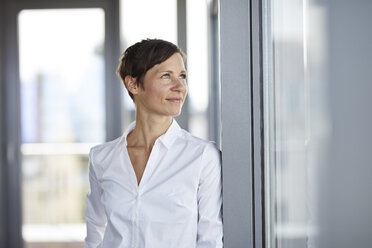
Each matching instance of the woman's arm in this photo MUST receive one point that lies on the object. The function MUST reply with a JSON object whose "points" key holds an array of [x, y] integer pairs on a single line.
{"points": [[94, 214], [210, 232]]}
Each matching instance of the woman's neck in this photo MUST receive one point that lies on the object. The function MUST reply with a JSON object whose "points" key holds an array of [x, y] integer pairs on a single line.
{"points": [[148, 129]]}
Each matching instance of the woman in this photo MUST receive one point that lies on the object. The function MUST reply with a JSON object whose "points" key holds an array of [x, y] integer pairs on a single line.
{"points": [[156, 186]]}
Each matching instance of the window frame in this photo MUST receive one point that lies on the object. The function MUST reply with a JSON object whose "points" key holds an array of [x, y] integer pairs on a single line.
{"points": [[242, 101]]}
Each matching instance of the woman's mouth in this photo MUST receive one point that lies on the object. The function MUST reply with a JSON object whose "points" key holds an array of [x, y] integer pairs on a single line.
{"points": [[175, 100]]}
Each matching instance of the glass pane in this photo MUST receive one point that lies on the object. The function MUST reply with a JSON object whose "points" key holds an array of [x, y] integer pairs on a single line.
{"points": [[62, 73], [157, 20], [63, 115], [296, 122], [197, 67]]}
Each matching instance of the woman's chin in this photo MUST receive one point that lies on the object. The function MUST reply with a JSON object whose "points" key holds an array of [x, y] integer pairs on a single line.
{"points": [[176, 113]]}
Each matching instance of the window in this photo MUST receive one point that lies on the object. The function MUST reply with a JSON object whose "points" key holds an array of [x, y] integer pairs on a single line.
{"points": [[197, 69], [62, 116], [295, 116]]}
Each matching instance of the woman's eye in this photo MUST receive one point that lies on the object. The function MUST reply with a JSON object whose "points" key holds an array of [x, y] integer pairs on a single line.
{"points": [[165, 76], [183, 76]]}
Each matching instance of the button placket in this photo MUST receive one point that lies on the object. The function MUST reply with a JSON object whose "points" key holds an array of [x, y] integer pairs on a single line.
{"points": [[137, 234]]}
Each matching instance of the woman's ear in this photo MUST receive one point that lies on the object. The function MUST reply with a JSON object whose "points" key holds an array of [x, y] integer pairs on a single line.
{"points": [[131, 84]]}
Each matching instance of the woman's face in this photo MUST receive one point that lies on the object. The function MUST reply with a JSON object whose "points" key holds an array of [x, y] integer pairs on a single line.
{"points": [[165, 88]]}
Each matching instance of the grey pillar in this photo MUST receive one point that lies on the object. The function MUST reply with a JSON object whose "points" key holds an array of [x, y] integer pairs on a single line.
{"points": [[236, 122], [113, 86], [183, 119], [2, 141]]}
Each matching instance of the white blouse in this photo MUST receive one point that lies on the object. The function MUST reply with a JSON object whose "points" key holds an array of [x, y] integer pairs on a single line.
{"points": [[177, 203]]}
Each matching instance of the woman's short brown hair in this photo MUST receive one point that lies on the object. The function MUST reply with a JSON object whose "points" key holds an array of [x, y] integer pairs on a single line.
{"points": [[142, 56]]}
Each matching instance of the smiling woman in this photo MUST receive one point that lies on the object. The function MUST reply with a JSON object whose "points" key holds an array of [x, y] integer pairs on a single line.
{"points": [[154, 158], [164, 88]]}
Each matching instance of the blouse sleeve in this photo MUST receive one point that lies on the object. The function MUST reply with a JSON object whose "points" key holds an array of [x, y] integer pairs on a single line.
{"points": [[210, 231], [94, 214]]}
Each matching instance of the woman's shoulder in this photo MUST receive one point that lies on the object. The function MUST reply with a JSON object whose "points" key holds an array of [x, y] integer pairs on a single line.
{"points": [[105, 146], [206, 145], [103, 151]]}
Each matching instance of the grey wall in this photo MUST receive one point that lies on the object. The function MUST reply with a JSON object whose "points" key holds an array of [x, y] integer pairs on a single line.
{"points": [[236, 122], [11, 125], [182, 43], [346, 179], [2, 198]]}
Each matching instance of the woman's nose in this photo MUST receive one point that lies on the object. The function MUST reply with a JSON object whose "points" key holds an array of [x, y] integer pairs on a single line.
{"points": [[179, 84]]}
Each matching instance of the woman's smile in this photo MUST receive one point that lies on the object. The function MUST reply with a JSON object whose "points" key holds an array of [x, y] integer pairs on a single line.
{"points": [[175, 99]]}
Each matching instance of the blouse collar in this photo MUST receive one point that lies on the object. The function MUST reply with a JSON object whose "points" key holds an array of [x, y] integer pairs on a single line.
{"points": [[166, 139]]}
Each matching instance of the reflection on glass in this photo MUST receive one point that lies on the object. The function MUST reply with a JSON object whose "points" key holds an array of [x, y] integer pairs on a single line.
{"points": [[296, 123], [62, 112]]}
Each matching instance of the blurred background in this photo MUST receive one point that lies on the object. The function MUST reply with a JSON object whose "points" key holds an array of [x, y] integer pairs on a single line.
{"points": [[70, 99], [308, 71]]}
